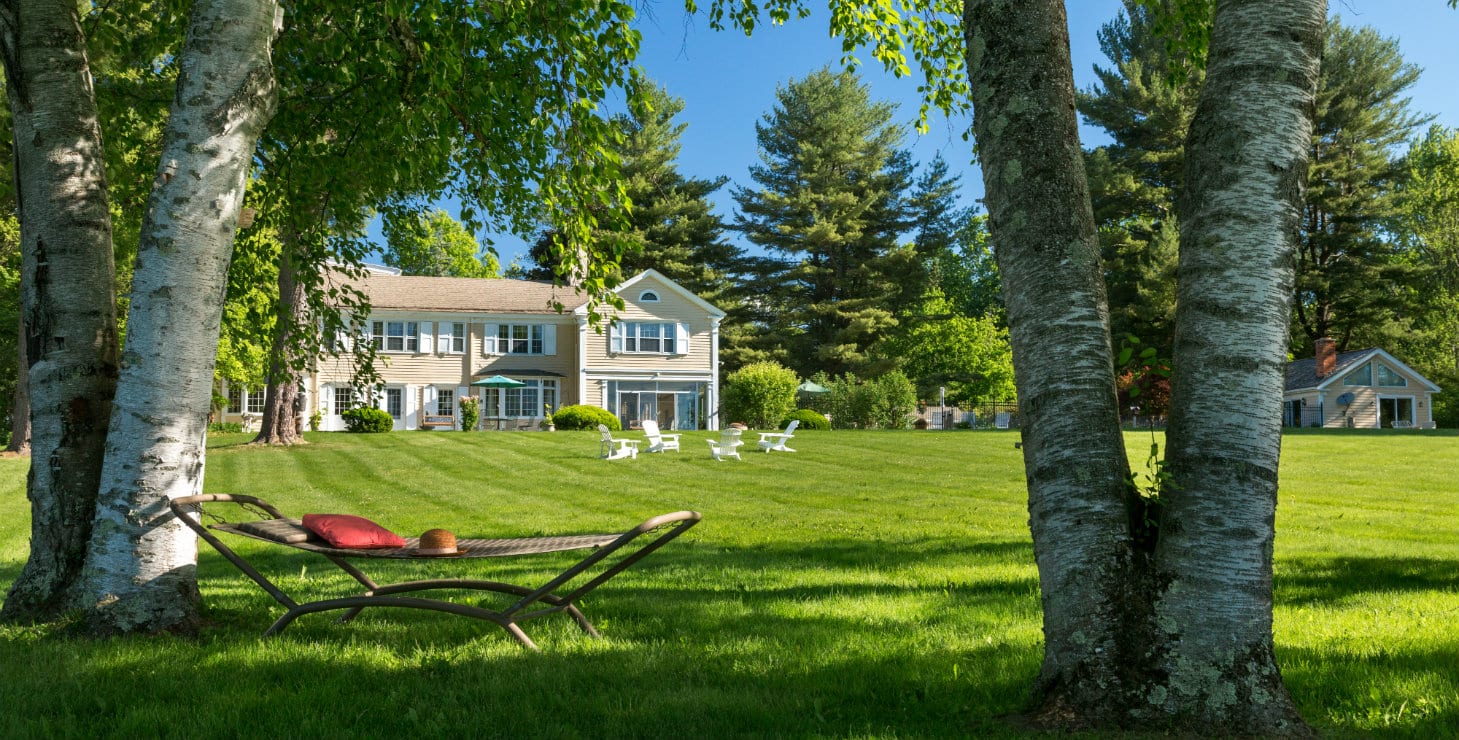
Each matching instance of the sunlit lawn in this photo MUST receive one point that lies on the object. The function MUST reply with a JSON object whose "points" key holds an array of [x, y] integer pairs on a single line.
{"points": [[872, 584]]}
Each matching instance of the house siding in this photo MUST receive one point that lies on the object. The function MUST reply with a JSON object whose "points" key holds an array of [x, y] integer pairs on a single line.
{"points": [[1363, 413], [672, 308]]}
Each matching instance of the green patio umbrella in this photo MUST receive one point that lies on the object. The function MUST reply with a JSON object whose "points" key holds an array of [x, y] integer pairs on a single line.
{"points": [[811, 387], [498, 381]]}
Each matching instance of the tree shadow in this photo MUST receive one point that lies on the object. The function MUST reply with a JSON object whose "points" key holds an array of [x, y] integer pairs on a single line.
{"points": [[1314, 580]]}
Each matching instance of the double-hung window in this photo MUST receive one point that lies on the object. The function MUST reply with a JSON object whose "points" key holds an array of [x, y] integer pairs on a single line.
{"points": [[453, 338], [445, 402], [235, 399], [519, 339], [255, 400], [533, 400], [394, 336], [653, 338], [344, 398]]}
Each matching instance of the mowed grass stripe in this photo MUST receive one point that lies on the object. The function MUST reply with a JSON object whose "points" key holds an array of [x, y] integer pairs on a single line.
{"points": [[872, 584]]}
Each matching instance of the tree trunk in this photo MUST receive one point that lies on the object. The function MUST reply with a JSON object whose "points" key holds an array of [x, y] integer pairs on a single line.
{"points": [[140, 566], [68, 303], [1246, 160], [20, 402], [280, 417], [1080, 498]]}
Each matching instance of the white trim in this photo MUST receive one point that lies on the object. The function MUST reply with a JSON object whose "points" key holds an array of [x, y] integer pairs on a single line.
{"points": [[712, 423], [1376, 352], [639, 373], [1412, 408], [582, 359], [644, 297], [674, 287]]}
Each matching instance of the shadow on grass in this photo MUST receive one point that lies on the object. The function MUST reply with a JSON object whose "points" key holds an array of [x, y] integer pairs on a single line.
{"points": [[1407, 692], [1306, 581], [694, 643]]}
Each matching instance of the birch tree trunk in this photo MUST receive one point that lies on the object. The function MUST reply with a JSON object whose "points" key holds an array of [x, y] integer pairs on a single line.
{"points": [[140, 567], [1079, 494], [20, 402], [1162, 627], [1246, 163], [68, 302], [280, 422]]}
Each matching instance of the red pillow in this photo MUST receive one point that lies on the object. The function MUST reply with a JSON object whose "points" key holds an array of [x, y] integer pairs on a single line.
{"points": [[352, 532]]}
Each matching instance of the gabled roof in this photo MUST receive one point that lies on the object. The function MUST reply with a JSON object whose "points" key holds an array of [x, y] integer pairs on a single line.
{"points": [[676, 288], [1302, 374], [472, 295]]}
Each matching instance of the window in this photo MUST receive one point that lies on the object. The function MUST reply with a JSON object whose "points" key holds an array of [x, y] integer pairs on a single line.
{"points": [[644, 337], [445, 402], [531, 401], [454, 336], [235, 399], [519, 339], [394, 336], [648, 296], [394, 402], [344, 398], [1361, 376], [1387, 377], [255, 400]]}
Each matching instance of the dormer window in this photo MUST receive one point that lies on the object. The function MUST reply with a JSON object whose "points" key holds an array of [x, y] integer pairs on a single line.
{"points": [[648, 296]]}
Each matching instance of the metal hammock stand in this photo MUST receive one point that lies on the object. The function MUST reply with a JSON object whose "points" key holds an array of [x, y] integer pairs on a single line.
{"points": [[533, 602]]}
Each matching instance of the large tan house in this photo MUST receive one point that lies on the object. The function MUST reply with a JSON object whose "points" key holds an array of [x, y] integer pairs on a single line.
{"points": [[439, 339], [1362, 389]]}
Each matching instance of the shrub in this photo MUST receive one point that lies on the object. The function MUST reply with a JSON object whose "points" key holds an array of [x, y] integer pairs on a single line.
{"points": [[315, 419], [367, 420], [808, 420], [760, 394], [225, 427], [886, 402], [470, 411], [585, 417]]}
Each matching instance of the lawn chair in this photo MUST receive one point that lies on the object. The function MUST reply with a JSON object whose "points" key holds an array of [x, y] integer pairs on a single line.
{"points": [[658, 442], [1001, 420], [612, 554], [615, 449], [728, 445], [776, 440]]}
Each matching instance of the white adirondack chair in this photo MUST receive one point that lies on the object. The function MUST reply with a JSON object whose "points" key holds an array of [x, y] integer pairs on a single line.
{"points": [[728, 445], [1001, 420], [658, 442], [616, 449], [776, 440]]}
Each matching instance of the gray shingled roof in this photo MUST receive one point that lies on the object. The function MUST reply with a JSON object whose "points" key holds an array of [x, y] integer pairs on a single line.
{"points": [[1302, 374], [414, 293]]}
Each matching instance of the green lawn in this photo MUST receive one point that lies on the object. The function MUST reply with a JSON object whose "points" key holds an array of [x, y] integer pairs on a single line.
{"points": [[873, 584]]}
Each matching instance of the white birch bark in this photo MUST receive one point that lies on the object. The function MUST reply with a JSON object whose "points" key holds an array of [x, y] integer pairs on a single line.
{"points": [[1246, 162], [68, 299], [140, 567], [1040, 218]]}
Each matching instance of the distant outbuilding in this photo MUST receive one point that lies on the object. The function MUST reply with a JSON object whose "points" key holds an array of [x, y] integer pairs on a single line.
{"points": [[1362, 389]]}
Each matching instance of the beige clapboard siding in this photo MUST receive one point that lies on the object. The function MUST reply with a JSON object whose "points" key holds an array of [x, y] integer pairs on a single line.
{"points": [[671, 308], [1364, 408]]}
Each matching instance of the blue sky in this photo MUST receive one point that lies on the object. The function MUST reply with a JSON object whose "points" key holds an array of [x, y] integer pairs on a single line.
{"points": [[728, 81]]}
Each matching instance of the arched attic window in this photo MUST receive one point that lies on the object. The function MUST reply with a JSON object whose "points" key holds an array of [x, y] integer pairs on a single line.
{"points": [[648, 296]]}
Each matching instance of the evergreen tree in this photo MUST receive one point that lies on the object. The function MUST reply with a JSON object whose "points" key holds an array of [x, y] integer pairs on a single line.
{"points": [[671, 225], [1145, 101], [831, 203], [1353, 284]]}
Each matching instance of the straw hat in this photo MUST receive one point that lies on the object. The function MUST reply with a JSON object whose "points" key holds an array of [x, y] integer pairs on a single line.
{"points": [[437, 542]]}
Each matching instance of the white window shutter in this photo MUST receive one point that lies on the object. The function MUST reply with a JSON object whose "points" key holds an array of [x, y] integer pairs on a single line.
{"points": [[488, 342], [423, 338], [428, 399], [615, 337], [443, 337], [681, 338], [549, 339]]}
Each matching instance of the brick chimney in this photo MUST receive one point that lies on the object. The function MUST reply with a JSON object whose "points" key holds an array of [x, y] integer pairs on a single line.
{"points": [[1326, 357]]}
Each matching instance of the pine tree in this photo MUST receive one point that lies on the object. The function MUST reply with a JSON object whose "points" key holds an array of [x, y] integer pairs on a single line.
{"points": [[1146, 105], [831, 204], [1353, 283]]}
